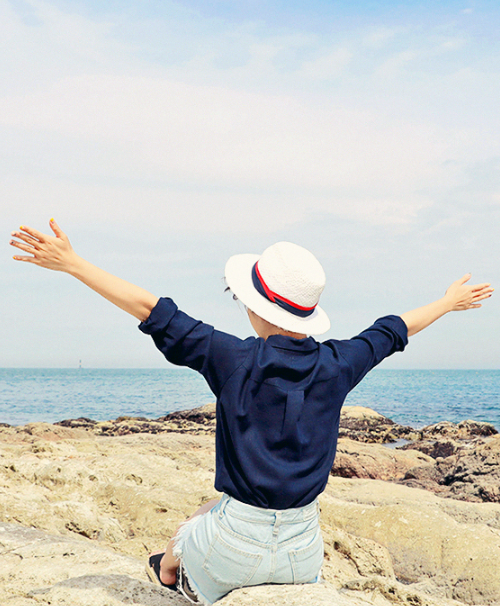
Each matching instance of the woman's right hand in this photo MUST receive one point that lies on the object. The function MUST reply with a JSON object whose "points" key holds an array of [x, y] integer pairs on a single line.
{"points": [[52, 252], [55, 252]]}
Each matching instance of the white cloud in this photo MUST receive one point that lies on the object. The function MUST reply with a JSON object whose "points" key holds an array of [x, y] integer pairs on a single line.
{"points": [[44, 44], [71, 32], [190, 136], [452, 44], [395, 64], [223, 136], [204, 144], [326, 67], [381, 36]]}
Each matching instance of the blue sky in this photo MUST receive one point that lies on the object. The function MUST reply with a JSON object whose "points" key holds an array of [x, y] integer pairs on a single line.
{"points": [[166, 136]]}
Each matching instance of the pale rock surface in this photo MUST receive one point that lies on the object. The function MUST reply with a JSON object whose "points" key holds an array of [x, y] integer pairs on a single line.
{"points": [[104, 502], [451, 545], [39, 568], [44, 569]]}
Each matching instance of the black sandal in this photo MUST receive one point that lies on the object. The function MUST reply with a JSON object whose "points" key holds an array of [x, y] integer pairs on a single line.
{"points": [[153, 571]]}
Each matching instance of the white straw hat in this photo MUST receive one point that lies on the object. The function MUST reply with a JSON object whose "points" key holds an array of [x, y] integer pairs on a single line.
{"points": [[282, 286]]}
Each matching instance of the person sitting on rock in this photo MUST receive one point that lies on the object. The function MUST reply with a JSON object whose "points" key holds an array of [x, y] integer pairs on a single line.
{"points": [[278, 407]]}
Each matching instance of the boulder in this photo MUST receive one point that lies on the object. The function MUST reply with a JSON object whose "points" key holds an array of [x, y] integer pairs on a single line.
{"points": [[41, 569], [359, 460], [471, 473], [455, 549], [366, 425]]}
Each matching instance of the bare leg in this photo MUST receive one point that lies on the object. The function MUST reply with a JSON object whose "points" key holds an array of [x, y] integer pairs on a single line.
{"points": [[169, 563]]}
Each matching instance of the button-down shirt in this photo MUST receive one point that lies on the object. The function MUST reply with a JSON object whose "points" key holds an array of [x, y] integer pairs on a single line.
{"points": [[278, 400]]}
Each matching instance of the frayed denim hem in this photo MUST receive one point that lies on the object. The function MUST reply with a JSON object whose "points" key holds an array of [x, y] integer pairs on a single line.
{"points": [[183, 532]]}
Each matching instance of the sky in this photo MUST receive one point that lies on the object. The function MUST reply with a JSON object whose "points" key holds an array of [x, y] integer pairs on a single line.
{"points": [[166, 136]]}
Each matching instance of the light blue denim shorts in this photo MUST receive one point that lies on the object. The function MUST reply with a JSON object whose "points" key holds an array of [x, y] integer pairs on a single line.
{"points": [[237, 545]]}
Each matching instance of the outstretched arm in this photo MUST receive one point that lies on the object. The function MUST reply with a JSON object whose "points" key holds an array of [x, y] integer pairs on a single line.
{"points": [[56, 253], [458, 297]]}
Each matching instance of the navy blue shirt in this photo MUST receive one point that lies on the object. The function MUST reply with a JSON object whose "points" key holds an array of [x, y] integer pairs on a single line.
{"points": [[278, 400]]}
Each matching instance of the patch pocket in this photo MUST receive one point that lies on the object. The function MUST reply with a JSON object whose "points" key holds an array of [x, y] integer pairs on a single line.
{"points": [[306, 562], [229, 566]]}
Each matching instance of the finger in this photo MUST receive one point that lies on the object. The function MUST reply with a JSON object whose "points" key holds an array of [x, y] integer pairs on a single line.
{"points": [[24, 258], [41, 237], [465, 278], [24, 247], [480, 287], [482, 296], [58, 232], [26, 238]]}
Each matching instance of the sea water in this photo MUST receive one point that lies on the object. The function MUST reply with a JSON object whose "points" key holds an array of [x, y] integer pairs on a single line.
{"points": [[409, 397]]}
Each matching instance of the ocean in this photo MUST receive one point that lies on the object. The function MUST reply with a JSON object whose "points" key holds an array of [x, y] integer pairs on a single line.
{"points": [[410, 397]]}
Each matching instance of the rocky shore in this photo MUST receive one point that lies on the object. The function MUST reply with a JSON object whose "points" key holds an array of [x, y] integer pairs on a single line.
{"points": [[82, 503], [460, 460]]}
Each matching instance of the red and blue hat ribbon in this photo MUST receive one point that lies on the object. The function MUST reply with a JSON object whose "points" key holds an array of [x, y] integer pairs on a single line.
{"points": [[263, 289]]}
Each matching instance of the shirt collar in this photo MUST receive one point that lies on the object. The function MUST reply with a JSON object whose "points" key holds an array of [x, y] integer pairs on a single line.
{"points": [[283, 342]]}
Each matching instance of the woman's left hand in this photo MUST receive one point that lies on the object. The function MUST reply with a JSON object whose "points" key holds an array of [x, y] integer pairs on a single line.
{"points": [[461, 296]]}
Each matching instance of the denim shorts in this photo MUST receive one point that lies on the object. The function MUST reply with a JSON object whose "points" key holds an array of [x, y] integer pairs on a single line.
{"points": [[237, 545]]}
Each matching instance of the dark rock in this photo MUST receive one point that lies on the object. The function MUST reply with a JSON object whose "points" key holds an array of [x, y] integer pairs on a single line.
{"points": [[426, 477], [475, 472], [434, 448], [366, 425], [197, 421], [465, 430], [472, 473], [374, 461], [462, 460], [203, 415], [80, 423]]}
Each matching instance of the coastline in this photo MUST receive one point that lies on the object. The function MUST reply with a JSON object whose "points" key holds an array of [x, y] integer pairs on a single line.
{"points": [[105, 493], [410, 397]]}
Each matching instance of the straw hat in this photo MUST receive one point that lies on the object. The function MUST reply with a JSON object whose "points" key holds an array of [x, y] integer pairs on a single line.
{"points": [[281, 286]]}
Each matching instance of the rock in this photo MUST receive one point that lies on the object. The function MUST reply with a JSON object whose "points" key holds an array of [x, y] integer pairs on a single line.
{"points": [[362, 425], [465, 430], [43, 569], [81, 422], [471, 473], [196, 421], [437, 449], [460, 459], [358, 460], [426, 477], [347, 557], [124, 495], [360, 594], [453, 546], [115, 490], [474, 473], [365, 425]]}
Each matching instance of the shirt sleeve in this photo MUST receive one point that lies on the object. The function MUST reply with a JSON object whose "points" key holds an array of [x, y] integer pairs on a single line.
{"points": [[363, 352], [185, 341]]}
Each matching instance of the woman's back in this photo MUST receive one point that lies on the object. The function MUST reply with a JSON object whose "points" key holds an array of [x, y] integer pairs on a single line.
{"points": [[278, 400]]}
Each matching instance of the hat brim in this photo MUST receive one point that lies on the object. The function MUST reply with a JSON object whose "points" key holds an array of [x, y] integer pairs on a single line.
{"points": [[238, 275]]}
